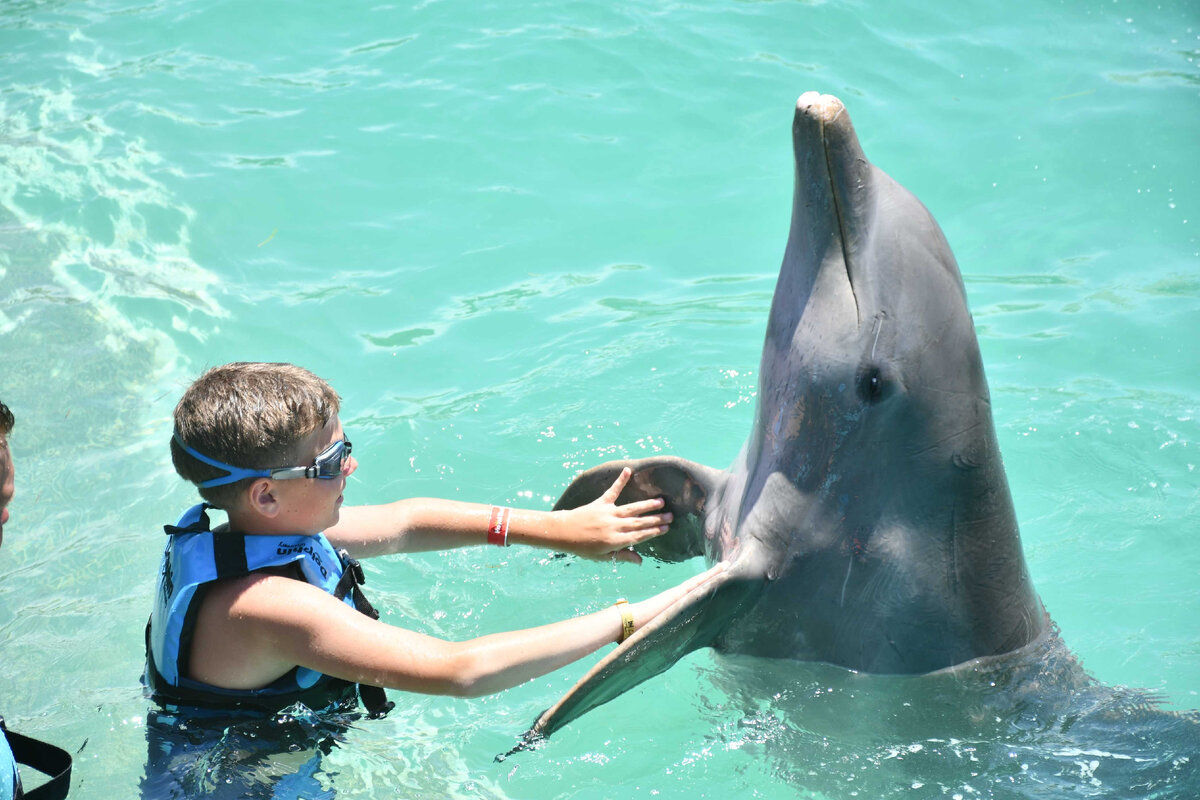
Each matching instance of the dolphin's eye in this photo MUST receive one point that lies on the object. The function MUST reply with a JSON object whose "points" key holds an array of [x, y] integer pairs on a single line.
{"points": [[873, 385]]}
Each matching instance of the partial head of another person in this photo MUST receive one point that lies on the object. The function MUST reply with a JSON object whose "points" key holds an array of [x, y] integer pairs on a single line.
{"points": [[7, 487]]}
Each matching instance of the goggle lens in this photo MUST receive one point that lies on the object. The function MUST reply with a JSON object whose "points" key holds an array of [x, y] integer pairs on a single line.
{"points": [[329, 463]]}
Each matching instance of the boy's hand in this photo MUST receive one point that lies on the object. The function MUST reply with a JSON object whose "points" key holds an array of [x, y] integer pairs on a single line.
{"points": [[603, 529]]}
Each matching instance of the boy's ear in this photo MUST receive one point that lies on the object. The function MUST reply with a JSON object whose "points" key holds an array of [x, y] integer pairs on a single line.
{"points": [[261, 499]]}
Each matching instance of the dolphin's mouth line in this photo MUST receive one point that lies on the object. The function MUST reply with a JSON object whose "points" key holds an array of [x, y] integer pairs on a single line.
{"points": [[944, 439], [837, 210]]}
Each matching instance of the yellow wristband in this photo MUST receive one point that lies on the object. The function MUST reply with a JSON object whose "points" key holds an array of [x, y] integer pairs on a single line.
{"points": [[622, 605]]}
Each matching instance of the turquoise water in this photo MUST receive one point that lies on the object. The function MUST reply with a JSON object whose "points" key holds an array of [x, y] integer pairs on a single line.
{"points": [[523, 238]]}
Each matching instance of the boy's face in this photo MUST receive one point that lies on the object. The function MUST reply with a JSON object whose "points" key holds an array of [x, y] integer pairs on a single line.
{"points": [[310, 505], [7, 488]]}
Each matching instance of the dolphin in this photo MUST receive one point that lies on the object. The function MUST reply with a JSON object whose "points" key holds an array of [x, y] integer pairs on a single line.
{"points": [[867, 521]]}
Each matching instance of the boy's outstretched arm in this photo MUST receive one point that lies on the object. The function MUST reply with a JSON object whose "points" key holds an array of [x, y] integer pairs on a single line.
{"points": [[597, 530], [252, 630]]}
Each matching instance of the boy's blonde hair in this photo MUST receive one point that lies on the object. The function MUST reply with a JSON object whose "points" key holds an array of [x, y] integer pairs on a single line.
{"points": [[250, 415]]}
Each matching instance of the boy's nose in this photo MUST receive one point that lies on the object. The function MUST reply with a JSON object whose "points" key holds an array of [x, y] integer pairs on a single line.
{"points": [[349, 464]]}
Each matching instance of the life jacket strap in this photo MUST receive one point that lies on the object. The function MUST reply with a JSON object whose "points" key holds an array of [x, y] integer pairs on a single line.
{"points": [[374, 698], [45, 758]]}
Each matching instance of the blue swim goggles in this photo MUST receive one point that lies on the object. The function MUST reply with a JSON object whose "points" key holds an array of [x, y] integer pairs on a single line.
{"points": [[327, 465]]}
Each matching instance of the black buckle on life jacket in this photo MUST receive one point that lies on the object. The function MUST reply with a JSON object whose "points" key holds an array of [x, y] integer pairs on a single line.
{"points": [[355, 566]]}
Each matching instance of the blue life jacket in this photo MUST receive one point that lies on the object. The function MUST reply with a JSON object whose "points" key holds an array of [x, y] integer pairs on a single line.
{"points": [[195, 556]]}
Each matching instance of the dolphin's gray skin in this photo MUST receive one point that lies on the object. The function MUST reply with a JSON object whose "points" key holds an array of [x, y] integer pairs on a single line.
{"points": [[867, 521]]}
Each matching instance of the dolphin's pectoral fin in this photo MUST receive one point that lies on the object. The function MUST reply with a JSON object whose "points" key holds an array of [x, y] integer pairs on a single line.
{"points": [[687, 488], [694, 621]]}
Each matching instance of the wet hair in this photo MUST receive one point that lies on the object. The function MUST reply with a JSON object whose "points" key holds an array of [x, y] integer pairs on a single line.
{"points": [[250, 415], [7, 420]]}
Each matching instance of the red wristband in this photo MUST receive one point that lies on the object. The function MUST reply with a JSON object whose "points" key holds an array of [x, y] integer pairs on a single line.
{"points": [[498, 526]]}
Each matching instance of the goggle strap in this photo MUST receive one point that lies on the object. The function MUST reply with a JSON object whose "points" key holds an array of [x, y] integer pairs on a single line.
{"points": [[234, 473]]}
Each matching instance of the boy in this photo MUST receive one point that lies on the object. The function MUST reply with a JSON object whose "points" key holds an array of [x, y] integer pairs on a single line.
{"points": [[253, 614]]}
